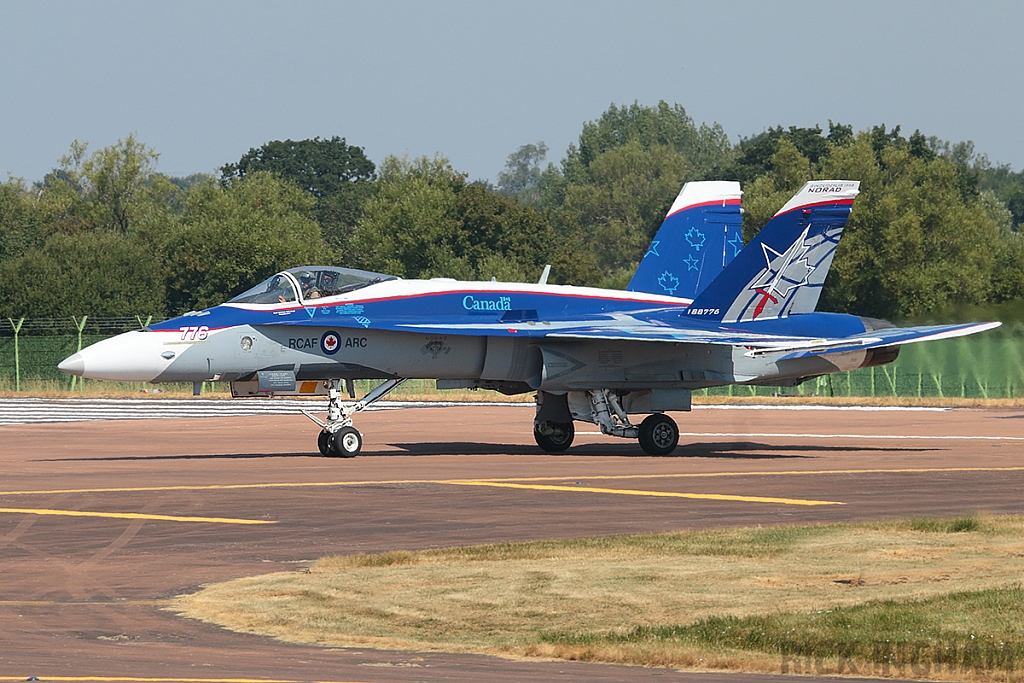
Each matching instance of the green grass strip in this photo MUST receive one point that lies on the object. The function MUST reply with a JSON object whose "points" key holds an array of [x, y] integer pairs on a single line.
{"points": [[974, 630]]}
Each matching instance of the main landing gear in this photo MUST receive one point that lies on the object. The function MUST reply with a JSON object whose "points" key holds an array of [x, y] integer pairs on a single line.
{"points": [[338, 438], [553, 437], [658, 434]]}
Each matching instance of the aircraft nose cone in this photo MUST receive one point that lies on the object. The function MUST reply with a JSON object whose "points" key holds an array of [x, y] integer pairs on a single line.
{"points": [[73, 365]]}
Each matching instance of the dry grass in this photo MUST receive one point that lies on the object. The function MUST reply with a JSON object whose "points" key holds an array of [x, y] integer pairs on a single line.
{"points": [[49, 388], [611, 599], [98, 389], [907, 401]]}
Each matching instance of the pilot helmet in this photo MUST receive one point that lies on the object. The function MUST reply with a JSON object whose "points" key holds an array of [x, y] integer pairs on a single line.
{"points": [[307, 279]]}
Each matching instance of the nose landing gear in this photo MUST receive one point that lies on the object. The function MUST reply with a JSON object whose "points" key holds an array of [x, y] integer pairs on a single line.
{"points": [[344, 443], [338, 438]]}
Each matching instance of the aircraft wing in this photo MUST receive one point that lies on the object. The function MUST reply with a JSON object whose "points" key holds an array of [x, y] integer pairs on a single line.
{"points": [[636, 326], [628, 328], [793, 347], [654, 333]]}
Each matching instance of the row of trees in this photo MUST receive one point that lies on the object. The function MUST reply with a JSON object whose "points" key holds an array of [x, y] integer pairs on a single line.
{"points": [[106, 234]]}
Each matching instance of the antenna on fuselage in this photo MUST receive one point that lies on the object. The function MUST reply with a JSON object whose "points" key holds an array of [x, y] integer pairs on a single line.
{"points": [[544, 276]]}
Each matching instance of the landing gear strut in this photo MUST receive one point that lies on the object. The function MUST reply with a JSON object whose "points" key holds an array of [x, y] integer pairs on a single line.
{"points": [[609, 415], [338, 438], [658, 434]]}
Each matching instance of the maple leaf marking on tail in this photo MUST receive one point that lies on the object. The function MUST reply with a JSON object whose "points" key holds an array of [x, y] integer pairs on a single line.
{"points": [[668, 282]]}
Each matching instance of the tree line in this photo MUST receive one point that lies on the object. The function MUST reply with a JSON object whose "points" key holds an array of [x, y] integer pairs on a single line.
{"points": [[105, 234]]}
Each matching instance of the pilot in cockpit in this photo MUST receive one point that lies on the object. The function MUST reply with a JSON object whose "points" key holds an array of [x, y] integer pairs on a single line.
{"points": [[307, 280]]}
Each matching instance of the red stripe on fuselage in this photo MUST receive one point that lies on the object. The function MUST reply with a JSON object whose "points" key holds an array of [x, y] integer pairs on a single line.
{"points": [[683, 303], [465, 292]]}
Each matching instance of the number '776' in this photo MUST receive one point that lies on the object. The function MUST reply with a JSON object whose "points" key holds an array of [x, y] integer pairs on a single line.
{"points": [[194, 333]]}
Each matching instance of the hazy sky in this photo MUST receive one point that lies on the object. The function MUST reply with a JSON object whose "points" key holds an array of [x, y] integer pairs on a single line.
{"points": [[203, 82]]}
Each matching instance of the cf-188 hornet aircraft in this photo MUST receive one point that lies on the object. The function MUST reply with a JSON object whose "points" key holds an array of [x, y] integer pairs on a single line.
{"points": [[701, 311]]}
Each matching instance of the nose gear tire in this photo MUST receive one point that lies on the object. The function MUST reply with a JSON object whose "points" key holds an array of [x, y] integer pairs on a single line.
{"points": [[346, 443], [323, 442]]}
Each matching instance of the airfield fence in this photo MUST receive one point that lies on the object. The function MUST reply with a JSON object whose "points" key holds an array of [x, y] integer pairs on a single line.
{"points": [[31, 348], [988, 365]]}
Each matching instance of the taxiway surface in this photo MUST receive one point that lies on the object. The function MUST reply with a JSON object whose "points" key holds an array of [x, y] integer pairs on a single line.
{"points": [[102, 522]]}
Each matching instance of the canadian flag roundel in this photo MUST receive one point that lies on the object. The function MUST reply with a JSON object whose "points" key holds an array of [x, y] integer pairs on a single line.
{"points": [[330, 342]]}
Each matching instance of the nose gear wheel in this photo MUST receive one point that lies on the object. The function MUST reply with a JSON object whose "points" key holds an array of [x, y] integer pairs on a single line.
{"points": [[338, 437], [346, 442]]}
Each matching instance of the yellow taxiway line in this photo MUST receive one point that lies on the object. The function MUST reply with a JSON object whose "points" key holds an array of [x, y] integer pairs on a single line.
{"points": [[133, 515], [756, 473], [565, 477], [654, 494], [519, 483], [508, 482]]}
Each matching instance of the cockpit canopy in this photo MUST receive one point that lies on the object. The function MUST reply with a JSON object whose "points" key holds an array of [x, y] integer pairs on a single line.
{"points": [[308, 282]]}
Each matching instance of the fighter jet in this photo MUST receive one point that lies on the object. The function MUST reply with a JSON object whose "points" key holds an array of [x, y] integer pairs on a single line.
{"points": [[701, 311]]}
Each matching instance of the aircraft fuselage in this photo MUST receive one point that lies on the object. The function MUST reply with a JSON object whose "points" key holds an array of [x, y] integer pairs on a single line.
{"points": [[342, 338]]}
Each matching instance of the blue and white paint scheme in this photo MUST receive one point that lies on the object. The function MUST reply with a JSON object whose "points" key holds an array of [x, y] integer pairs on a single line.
{"points": [[699, 312], [701, 234]]}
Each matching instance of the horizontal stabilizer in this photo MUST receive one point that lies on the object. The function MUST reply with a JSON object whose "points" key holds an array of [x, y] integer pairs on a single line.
{"points": [[892, 336]]}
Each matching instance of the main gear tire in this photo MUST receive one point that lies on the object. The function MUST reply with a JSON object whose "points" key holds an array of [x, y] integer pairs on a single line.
{"points": [[553, 437], [659, 434]]}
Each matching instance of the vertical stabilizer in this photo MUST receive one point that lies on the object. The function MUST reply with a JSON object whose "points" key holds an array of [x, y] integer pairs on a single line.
{"points": [[700, 235], [782, 270]]}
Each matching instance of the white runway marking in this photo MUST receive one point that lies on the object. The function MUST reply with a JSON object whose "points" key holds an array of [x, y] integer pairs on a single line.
{"points": [[47, 410], [805, 406], [854, 436], [798, 435]]}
